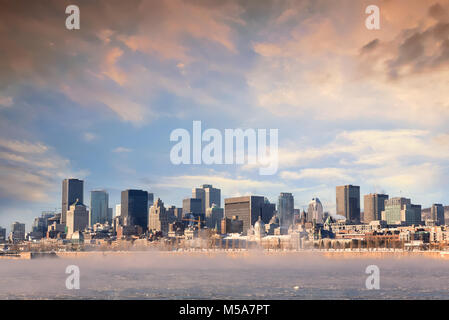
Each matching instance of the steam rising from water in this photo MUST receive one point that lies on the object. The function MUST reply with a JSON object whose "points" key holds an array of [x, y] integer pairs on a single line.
{"points": [[255, 275]]}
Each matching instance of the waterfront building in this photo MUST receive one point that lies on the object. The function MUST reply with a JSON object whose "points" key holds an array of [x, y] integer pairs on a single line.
{"points": [[315, 211], [348, 202], [437, 214], [134, 208], [77, 218], [374, 204], [248, 209], [72, 189], [285, 210], [158, 219], [99, 207]]}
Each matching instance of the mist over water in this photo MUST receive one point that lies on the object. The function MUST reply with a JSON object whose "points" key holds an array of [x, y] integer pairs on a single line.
{"points": [[255, 275]]}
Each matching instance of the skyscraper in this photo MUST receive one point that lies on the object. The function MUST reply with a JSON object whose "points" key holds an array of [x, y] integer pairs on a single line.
{"points": [[17, 232], [401, 211], [437, 214], [315, 211], [192, 206], [248, 209], [285, 210], [208, 195], [134, 208], [374, 204], [77, 218], [99, 206], [158, 217], [348, 202], [72, 189]]}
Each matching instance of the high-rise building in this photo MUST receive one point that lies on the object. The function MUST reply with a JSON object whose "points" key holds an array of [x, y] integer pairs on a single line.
{"points": [[118, 210], [214, 215], [40, 224], [348, 202], [150, 199], [285, 210], [2, 235], [437, 214], [72, 189], [248, 209], [99, 207], [17, 232], [208, 195], [158, 217], [401, 211], [192, 206], [77, 218], [374, 204], [315, 211], [134, 208]]}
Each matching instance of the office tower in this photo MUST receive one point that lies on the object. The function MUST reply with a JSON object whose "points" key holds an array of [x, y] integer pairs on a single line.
{"points": [[2, 235], [315, 211], [118, 210], [77, 218], [374, 204], [40, 224], [158, 217], [17, 232], [134, 208], [248, 209], [437, 214], [110, 215], [401, 211], [178, 214], [150, 199], [214, 215], [99, 206], [285, 210], [72, 189], [192, 207], [348, 202], [208, 195]]}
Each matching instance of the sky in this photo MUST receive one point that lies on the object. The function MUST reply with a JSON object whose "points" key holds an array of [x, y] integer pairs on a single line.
{"points": [[352, 105]]}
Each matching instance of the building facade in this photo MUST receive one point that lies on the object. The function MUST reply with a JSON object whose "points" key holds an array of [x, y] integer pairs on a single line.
{"points": [[72, 189], [374, 204], [285, 210], [437, 214], [158, 219], [348, 202], [99, 206], [77, 218], [400, 210], [315, 211], [134, 208], [248, 209]]}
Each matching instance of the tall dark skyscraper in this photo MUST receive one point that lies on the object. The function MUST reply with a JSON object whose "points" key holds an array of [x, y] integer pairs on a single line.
{"points": [[72, 189], [134, 208], [348, 202]]}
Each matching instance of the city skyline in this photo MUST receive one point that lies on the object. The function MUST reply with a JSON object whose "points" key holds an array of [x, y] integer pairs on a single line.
{"points": [[352, 105]]}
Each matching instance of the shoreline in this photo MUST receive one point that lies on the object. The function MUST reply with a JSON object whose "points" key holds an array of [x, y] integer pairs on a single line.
{"points": [[233, 253]]}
